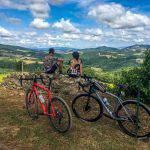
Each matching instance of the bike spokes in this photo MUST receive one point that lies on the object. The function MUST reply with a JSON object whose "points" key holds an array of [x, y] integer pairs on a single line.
{"points": [[87, 107], [134, 124], [31, 105], [61, 116]]}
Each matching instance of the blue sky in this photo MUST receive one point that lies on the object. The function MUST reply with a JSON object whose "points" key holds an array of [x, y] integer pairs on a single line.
{"points": [[74, 23]]}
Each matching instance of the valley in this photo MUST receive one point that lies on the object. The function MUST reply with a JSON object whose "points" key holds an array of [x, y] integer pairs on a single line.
{"points": [[109, 59]]}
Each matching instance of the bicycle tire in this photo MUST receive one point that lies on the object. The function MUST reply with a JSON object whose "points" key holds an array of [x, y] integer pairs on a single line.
{"points": [[120, 122], [59, 113], [99, 108], [33, 115]]}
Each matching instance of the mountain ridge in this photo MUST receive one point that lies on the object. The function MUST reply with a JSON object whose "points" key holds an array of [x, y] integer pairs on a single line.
{"points": [[65, 49]]}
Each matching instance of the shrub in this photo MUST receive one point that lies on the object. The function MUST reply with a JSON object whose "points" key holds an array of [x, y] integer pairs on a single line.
{"points": [[138, 78]]}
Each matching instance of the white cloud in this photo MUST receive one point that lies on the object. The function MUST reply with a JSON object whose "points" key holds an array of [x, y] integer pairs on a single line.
{"points": [[39, 23], [137, 29], [39, 8], [31, 34], [14, 21], [4, 32], [49, 36], [116, 16], [25, 41], [109, 37], [84, 3], [93, 31], [71, 37], [57, 2], [139, 40], [40, 11], [10, 19], [66, 26], [13, 5], [46, 40], [67, 37], [131, 20], [90, 38]]}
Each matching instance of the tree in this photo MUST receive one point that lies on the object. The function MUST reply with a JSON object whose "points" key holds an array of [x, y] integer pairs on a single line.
{"points": [[145, 76], [146, 64], [136, 74]]}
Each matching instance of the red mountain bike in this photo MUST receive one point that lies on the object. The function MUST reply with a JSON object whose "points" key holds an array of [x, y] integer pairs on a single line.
{"points": [[55, 108]]}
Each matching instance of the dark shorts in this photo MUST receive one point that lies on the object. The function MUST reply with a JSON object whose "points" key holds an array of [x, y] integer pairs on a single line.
{"points": [[52, 69], [73, 75]]}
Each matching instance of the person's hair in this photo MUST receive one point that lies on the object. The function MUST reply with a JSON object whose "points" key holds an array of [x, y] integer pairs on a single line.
{"points": [[76, 55], [51, 50]]}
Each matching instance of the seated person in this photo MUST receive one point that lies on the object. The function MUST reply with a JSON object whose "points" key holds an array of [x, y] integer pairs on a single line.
{"points": [[75, 65], [51, 63]]}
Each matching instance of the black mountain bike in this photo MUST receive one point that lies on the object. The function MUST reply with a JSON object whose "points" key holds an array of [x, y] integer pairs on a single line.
{"points": [[132, 116]]}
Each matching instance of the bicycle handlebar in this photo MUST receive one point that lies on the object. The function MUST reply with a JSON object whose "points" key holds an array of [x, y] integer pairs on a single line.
{"points": [[88, 82], [86, 77], [31, 79], [83, 85], [35, 79]]}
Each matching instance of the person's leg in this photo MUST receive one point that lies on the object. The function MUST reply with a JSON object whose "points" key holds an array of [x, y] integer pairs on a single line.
{"points": [[73, 76], [52, 69], [60, 66]]}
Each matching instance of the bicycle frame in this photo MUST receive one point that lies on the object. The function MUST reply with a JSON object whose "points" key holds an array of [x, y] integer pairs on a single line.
{"points": [[49, 94], [118, 101], [107, 109]]}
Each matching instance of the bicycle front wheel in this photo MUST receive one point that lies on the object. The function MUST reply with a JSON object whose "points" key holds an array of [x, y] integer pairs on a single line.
{"points": [[87, 107], [31, 104], [134, 119], [62, 122]]}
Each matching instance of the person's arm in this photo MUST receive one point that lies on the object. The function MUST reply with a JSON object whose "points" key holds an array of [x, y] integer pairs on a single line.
{"points": [[69, 64], [45, 62], [81, 68]]}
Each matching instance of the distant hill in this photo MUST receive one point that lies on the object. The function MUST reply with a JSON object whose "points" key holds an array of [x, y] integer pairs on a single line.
{"points": [[110, 49], [61, 49], [12, 47], [66, 49], [19, 52], [137, 47], [101, 48]]}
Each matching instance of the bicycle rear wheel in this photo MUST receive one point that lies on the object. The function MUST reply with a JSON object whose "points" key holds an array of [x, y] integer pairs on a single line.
{"points": [[87, 107], [31, 104], [62, 122], [133, 124]]}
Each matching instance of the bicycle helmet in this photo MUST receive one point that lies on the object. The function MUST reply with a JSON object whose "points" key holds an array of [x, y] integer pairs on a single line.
{"points": [[75, 55], [51, 50]]}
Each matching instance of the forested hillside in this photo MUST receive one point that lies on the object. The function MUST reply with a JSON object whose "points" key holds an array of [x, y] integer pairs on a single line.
{"points": [[106, 58]]}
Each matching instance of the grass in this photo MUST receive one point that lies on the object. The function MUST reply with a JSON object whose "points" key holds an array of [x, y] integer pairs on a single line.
{"points": [[29, 61], [2, 76], [9, 59], [18, 131]]}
